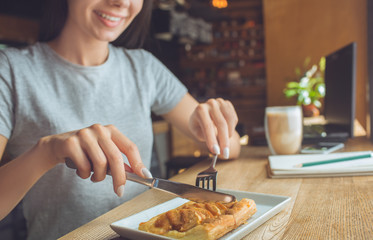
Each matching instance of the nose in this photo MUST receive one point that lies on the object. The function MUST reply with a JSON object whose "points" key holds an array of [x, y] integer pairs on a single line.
{"points": [[120, 3]]}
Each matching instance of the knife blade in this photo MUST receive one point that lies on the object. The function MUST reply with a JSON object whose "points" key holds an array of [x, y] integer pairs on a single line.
{"points": [[178, 189], [182, 190]]}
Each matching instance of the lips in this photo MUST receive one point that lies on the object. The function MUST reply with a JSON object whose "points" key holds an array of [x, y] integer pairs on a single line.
{"points": [[108, 17], [109, 20]]}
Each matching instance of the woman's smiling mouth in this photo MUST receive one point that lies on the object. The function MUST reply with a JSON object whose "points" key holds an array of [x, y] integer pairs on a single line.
{"points": [[109, 20], [108, 17]]}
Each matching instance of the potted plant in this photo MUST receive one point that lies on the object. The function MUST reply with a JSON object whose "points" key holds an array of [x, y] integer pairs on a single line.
{"points": [[308, 88]]}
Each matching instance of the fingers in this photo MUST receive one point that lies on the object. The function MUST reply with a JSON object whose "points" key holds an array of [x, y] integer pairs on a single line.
{"points": [[99, 149], [76, 154], [131, 151], [207, 127], [88, 142], [230, 115], [221, 126], [217, 120], [117, 166]]}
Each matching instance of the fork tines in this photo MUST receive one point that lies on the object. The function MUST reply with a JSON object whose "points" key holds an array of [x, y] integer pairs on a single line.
{"points": [[206, 179], [210, 174]]}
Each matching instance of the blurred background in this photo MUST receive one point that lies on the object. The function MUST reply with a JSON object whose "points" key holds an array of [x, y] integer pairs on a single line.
{"points": [[242, 50]]}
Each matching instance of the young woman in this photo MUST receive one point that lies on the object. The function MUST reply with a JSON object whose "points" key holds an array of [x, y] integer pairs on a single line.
{"points": [[75, 95]]}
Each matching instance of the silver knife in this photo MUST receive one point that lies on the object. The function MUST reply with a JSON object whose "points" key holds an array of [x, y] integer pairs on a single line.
{"points": [[182, 190]]}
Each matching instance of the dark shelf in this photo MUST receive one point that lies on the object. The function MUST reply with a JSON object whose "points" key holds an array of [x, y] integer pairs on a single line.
{"points": [[233, 65]]}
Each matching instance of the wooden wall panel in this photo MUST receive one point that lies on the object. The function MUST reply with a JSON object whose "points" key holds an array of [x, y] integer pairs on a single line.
{"points": [[296, 29], [17, 29]]}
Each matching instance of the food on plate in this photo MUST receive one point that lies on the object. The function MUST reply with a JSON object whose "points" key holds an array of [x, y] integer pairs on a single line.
{"points": [[207, 220]]}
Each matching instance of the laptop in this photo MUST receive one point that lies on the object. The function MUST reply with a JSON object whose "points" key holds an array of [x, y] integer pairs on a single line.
{"points": [[339, 101]]}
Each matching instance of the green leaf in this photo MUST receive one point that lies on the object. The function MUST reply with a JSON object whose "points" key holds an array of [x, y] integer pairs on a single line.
{"points": [[322, 64], [319, 79], [290, 93], [298, 72], [304, 82], [312, 82], [292, 85], [306, 62], [304, 93], [307, 101], [300, 100], [312, 71], [320, 88], [310, 87], [317, 103]]}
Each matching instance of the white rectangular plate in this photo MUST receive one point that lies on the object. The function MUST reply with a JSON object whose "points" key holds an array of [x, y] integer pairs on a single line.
{"points": [[267, 206]]}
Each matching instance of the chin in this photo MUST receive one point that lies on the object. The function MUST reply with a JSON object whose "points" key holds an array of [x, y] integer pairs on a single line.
{"points": [[108, 38]]}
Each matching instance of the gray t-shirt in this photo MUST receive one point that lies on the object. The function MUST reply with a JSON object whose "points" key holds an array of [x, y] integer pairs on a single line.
{"points": [[43, 94]]}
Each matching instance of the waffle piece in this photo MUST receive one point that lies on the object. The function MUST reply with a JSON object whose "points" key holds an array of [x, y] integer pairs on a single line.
{"points": [[208, 220]]}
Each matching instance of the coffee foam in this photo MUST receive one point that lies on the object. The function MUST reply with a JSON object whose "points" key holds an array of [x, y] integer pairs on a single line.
{"points": [[284, 130]]}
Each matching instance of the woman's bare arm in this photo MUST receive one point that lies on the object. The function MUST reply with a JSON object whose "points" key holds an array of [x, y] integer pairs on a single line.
{"points": [[94, 148], [18, 176]]}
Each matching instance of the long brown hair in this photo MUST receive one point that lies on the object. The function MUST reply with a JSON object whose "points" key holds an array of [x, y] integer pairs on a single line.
{"points": [[55, 14]]}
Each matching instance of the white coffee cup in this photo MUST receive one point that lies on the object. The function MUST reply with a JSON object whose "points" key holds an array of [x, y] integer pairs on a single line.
{"points": [[284, 129]]}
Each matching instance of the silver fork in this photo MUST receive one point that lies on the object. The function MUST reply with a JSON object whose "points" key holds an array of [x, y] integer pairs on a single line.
{"points": [[208, 175]]}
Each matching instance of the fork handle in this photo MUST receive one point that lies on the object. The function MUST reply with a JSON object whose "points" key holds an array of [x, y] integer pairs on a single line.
{"points": [[213, 162]]}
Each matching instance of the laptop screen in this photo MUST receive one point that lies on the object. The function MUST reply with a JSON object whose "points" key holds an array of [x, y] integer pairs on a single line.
{"points": [[339, 102]]}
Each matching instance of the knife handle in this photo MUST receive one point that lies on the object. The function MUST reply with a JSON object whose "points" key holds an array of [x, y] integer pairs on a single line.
{"points": [[130, 176]]}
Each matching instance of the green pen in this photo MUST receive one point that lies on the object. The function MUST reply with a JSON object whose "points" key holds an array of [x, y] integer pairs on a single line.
{"points": [[309, 164]]}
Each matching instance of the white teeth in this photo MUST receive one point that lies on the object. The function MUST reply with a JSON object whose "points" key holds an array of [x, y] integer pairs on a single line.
{"points": [[110, 18]]}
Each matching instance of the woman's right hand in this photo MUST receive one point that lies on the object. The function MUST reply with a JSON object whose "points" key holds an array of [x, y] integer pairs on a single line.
{"points": [[96, 148]]}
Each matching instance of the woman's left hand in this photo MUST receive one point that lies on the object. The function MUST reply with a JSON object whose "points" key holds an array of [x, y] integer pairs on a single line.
{"points": [[214, 122]]}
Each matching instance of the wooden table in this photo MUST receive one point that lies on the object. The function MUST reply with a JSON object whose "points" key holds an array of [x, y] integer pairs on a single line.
{"points": [[320, 208]]}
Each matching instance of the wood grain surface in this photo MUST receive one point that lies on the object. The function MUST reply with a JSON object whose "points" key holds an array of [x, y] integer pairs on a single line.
{"points": [[320, 208], [297, 29]]}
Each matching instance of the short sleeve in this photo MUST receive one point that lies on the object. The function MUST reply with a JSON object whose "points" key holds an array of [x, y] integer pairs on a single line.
{"points": [[6, 102], [168, 90]]}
